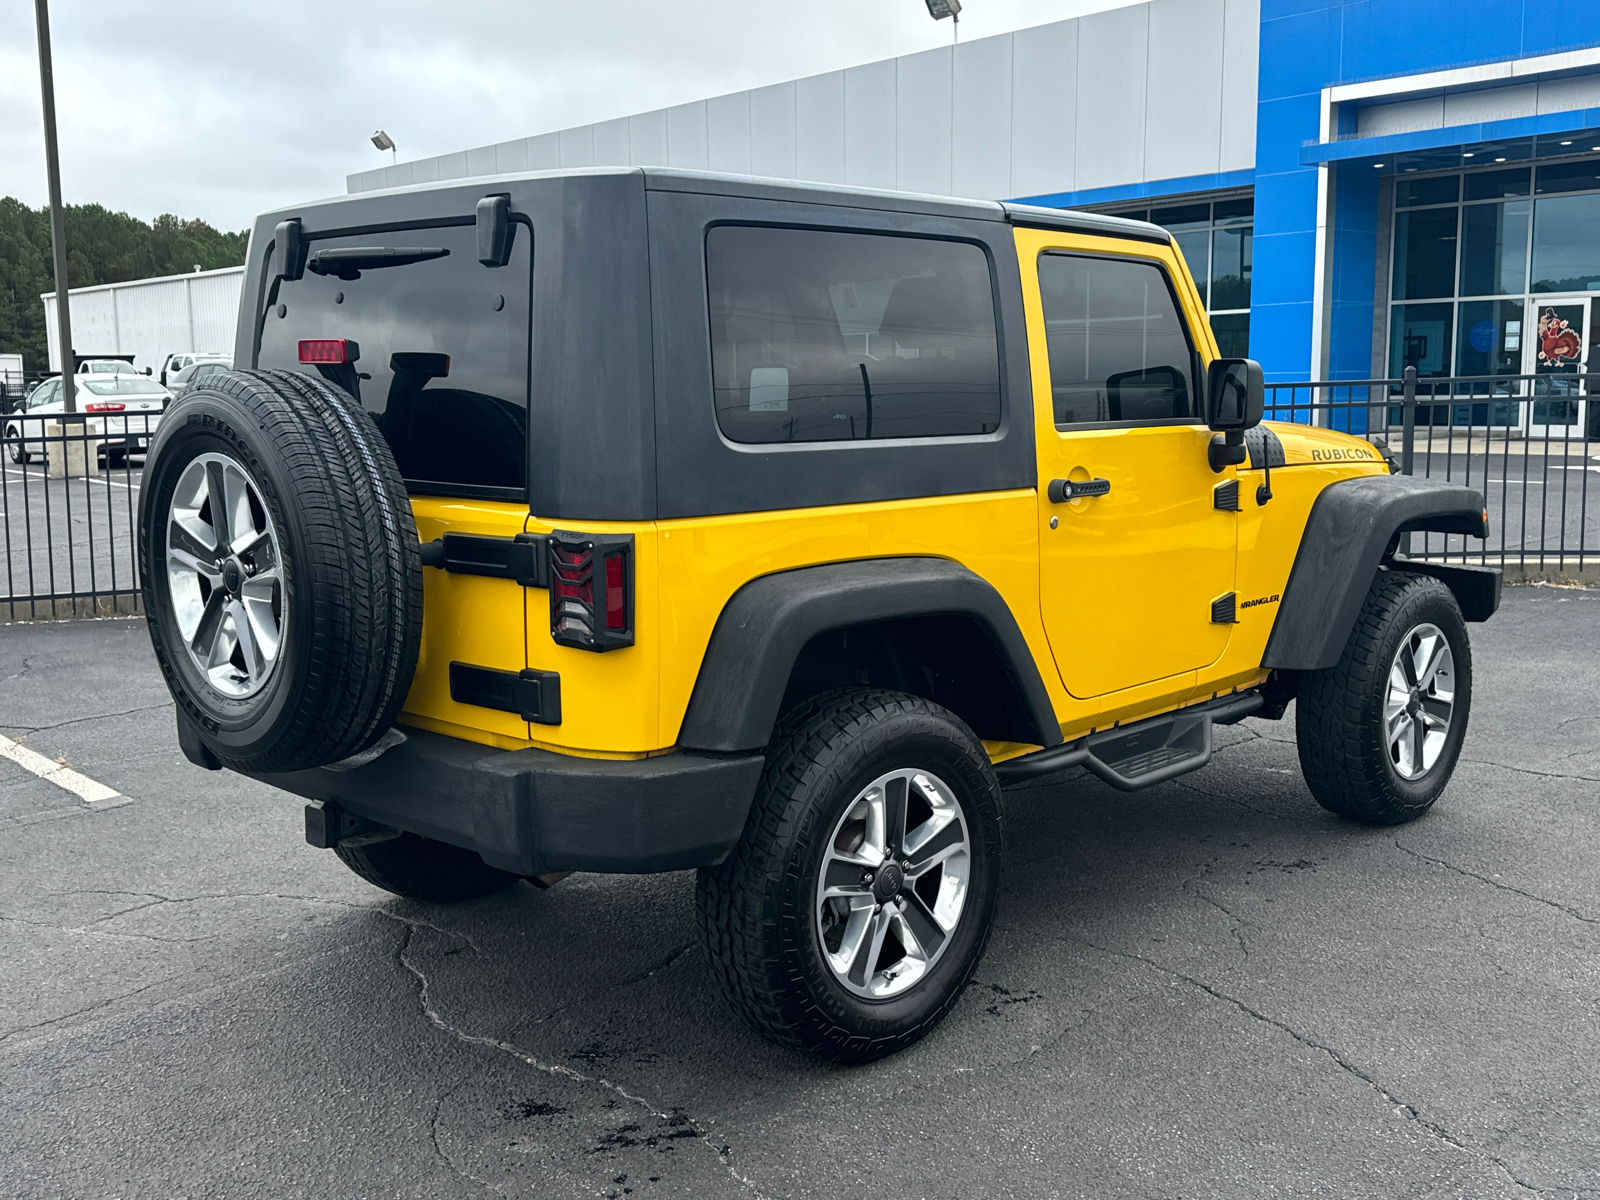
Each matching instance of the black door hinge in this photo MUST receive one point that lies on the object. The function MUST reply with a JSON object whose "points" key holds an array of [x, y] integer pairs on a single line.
{"points": [[1224, 609], [525, 557], [533, 695], [1225, 496]]}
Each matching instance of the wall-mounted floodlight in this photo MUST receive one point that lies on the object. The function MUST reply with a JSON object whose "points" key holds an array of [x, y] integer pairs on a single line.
{"points": [[384, 142], [940, 9]]}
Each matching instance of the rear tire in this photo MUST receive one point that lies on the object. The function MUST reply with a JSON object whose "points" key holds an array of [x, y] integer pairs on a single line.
{"points": [[423, 869], [287, 629], [1379, 732], [791, 921]]}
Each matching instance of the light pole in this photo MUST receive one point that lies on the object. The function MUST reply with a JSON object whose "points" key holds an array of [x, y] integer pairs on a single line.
{"points": [[384, 142], [58, 217], [940, 9]]}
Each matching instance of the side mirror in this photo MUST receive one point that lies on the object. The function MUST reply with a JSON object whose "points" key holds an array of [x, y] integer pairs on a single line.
{"points": [[495, 231], [1235, 394], [288, 251], [149, 370]]}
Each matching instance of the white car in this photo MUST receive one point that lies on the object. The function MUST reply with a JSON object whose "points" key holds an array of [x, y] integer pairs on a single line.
{"points": [[177, 362], [108, 366], [136, 400]]}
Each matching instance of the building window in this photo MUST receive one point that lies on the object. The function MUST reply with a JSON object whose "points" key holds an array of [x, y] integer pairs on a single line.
{"points": [[1483, 262], [1214, 237]]}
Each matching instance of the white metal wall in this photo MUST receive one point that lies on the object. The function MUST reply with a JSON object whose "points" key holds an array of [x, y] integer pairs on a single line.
{"points": [[1154, 91], [1480, 104], [151, 318]]}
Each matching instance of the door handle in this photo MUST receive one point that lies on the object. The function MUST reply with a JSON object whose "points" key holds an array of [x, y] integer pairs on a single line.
{"points": [[1063, 491]]}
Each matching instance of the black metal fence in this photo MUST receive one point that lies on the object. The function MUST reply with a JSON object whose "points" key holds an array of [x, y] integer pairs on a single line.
{"points": [[1529, 443], [70, 491]]}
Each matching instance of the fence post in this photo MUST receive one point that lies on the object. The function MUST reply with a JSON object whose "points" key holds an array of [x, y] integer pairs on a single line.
{"points": [[1408, 420], [1408, 437]]}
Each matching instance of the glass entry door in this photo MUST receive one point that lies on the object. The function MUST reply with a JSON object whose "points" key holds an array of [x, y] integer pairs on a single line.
{"points": [[1556, 352]]}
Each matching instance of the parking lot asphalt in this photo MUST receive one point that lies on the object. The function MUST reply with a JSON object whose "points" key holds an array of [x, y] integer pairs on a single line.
{"points": [[1209, 989]]}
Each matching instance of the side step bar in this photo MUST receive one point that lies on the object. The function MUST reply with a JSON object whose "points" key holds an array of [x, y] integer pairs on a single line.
{"points": [[1140, 755]]}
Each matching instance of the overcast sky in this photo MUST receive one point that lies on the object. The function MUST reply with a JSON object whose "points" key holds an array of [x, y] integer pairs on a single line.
{"points": [[221, 109]]}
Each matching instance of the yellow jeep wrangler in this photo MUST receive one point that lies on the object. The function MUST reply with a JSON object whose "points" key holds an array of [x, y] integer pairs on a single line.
{"points": [[644, 520]]}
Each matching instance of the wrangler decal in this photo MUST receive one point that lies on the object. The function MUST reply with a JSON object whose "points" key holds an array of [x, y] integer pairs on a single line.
{"points": [[1272, 599]]}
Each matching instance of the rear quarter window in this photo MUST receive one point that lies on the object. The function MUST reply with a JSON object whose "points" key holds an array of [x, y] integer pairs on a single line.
{"points": [[443, 354], [823, 336]]}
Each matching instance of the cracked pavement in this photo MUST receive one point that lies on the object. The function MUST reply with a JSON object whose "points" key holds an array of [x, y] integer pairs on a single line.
{"points": [[1209, 989]]}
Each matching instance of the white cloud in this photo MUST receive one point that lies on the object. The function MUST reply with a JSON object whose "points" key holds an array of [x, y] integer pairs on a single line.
{"points": [[221, 110]]}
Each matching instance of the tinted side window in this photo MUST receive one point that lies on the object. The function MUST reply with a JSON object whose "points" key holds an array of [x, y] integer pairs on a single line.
{"points": [[1119, 350], [444, 353], [819, 336]]}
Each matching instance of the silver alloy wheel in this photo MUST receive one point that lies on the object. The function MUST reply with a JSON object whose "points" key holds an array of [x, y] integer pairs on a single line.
{"points": [[1419, 701], [893, 883], [224, 573]]}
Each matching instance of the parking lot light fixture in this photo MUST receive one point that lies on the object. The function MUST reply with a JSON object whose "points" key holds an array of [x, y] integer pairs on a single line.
{"points": [[383, 141], [940, 9], [58, 220]]}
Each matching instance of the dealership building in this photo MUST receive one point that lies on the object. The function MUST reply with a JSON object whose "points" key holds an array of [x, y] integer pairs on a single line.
{"points": [[1359, 186]]}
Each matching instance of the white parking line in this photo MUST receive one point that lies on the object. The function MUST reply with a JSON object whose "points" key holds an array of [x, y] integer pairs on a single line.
{"points": [[95, 795], [132, 487]]}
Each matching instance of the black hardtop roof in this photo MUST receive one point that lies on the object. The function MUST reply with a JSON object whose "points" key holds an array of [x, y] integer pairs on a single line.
{"points": [[665, 179]]}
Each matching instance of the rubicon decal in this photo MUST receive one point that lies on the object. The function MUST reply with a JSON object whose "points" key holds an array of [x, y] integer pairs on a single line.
{"points": [[1339, 453], [1272, 599]]}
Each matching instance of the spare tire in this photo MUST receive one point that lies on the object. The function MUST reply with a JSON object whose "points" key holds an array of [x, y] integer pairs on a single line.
{"points": [[282, 575]]}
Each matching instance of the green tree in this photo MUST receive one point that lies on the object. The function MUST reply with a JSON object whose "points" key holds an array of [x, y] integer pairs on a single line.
{"points": [[102, 247]]}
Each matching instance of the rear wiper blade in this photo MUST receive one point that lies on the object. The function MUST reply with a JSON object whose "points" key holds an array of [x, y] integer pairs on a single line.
{"points": [[348, 262]]}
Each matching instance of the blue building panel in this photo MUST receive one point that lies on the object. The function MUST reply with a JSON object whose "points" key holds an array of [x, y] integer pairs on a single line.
{"points": [[1380, 38], [1299, 51], [1094, 197], [1309, 45]]}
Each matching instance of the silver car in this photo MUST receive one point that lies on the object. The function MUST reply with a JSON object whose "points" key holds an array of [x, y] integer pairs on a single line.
{"points": [[136, 400], [180, 382]]}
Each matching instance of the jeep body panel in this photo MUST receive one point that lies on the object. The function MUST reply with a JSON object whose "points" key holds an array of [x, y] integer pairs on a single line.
{"points": [[764, 627], [1352, 526]]}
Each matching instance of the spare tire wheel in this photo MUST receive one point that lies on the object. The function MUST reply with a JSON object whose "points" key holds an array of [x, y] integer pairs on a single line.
{"points": [[282, 575]]}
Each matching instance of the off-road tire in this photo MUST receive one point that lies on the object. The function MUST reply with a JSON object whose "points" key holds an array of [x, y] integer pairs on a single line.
{"points": [[755, 910], [350, 562], [1339, 731], [423, 869]]}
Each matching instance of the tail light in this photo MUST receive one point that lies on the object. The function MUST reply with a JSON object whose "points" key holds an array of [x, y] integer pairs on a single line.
{"points": [[104, 406], [328, 351], [591, 590]]}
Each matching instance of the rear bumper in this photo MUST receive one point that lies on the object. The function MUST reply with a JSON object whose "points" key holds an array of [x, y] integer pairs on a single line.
{"points": [[533, 812]]}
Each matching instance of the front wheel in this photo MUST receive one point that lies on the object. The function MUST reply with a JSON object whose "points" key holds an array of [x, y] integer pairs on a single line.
{"points": [[860, 898], [19, 450], [1380, 731]]}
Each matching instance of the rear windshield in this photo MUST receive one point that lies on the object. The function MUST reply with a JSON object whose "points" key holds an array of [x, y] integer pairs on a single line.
{"points": [[819, 336], [443, 354]]}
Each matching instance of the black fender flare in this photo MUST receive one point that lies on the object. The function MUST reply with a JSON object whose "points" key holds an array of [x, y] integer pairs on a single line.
{"points": [[768, 621], [1351, 529]]}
